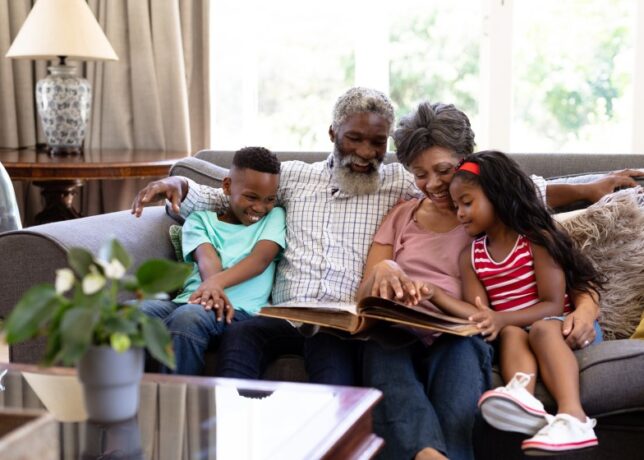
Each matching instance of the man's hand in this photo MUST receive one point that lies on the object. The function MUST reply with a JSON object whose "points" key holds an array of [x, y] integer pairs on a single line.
{"points": [[610, 182], [172, 188], [391, 282], [487, 320], [211, 295]]}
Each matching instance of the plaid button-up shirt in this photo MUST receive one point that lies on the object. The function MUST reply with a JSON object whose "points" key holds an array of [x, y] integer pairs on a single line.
{"points": [[328, 233]]}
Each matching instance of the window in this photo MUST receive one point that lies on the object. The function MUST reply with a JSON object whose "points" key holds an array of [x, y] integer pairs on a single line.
{"points": [[531, 75]]}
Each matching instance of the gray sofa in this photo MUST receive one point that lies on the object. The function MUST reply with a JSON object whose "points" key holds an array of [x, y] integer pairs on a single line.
{"points": [[612, 373]]}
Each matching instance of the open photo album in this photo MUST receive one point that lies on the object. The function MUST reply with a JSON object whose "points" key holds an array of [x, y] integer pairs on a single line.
{"points": [[357, 318]]}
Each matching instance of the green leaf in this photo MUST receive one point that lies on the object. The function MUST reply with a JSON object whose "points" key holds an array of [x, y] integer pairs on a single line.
{"points": [[54, 345], [160, 275], [76, 330], [119, 324], [79, 260], [112, 249], [33, 310], [129, 282], [158, 341]]}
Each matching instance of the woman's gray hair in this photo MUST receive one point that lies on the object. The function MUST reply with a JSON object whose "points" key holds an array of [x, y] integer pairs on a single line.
{"points": [[430, 125], [361, 100]]}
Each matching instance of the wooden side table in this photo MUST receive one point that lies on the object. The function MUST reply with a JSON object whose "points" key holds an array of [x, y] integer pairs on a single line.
{"points": [[60, 177]]}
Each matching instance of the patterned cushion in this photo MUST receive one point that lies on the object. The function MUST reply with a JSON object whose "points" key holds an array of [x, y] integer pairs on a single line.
{"points": [[175, 239], [611, 233]]}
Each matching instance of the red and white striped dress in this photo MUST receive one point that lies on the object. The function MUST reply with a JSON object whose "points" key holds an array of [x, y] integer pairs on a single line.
{"points": [[511, 283]]}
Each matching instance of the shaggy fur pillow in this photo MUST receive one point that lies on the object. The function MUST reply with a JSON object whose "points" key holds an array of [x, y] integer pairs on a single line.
{"points": [[611, 233]]}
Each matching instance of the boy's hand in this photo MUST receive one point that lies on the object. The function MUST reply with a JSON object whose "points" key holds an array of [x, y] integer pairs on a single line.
{"points": [[211, 295], [487, 320]]}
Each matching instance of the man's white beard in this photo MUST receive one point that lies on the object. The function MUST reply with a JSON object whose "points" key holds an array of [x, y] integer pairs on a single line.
{"points": [[351, 182]]}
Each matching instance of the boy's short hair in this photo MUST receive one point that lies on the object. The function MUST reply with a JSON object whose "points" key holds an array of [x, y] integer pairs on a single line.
{"points": [[258, 159]]}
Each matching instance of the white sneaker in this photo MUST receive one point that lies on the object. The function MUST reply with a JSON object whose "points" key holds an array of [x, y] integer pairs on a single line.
{"points": [[564, 433], [513, 408]]}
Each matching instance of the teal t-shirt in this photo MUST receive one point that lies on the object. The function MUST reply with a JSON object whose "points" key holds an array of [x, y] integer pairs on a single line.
{"points": [[233, 243]]}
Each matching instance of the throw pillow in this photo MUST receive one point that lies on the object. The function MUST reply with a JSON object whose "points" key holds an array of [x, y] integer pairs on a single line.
{"points": [[611, 233], [175, 239], [639, 332]]}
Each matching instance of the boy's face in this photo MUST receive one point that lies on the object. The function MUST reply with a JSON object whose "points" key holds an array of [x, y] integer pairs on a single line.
{"points": [[252, 194]]}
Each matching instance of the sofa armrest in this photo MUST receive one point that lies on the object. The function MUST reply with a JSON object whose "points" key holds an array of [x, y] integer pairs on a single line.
{"points": [[32, 255]]}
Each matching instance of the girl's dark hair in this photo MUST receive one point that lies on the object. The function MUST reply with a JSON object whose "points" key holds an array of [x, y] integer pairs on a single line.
{"points": [[517, 203]]}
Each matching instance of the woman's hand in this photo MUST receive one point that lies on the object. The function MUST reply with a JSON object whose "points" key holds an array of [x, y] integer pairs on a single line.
{"points": [[487, 320], [173, 188], [391, 282]]}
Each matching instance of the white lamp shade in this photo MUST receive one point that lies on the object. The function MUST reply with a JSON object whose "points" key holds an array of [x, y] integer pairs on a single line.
{"points": [[61, 28]]}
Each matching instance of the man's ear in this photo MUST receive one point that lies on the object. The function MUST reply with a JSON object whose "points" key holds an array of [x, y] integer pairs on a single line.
{"points": [[331, 133], [226, 185]]}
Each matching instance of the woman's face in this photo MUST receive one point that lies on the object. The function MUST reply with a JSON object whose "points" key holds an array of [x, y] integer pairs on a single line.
{"points": [[433, 170]]}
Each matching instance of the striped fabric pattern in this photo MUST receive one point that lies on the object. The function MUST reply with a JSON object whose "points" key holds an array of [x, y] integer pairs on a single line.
{"points": [[511, 283], [328, 232]]}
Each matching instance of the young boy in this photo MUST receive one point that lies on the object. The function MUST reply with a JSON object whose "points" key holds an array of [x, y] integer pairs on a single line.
{"points": [[234, 256]]}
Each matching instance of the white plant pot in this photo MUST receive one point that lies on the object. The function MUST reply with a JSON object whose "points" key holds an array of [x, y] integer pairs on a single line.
{"points": [[111, 383]]}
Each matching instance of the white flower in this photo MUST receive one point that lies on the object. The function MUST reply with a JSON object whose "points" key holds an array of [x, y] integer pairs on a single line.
{"points": [[93, 281], [114, 269], [64, 280]]}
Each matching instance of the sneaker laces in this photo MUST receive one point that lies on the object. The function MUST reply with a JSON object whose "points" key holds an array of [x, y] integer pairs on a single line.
{"points": [[562, 419], [520, 379]]}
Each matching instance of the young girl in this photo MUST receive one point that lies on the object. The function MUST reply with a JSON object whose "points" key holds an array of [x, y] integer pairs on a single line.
{"points": [[521, 265]]}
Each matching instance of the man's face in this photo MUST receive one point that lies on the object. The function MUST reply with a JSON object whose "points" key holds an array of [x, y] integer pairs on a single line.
{"points": [[360, 147]]}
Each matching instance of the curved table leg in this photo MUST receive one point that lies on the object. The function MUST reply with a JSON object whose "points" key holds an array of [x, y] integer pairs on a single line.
{"points": [[59, 197]]}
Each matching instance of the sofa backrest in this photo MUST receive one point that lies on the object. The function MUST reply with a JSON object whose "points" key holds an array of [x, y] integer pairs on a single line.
{"points": [[211, 166]]}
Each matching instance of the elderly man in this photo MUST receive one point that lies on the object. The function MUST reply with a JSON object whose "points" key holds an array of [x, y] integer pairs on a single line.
{"points": [[333, 208]]}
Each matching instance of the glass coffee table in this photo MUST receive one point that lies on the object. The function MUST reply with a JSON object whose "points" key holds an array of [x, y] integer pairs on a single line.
{"points": [[198, 418]]}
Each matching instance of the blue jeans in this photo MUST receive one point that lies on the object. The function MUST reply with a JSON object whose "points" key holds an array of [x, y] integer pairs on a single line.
{"points": [[430, 394], [248, 347], [192, 328]]}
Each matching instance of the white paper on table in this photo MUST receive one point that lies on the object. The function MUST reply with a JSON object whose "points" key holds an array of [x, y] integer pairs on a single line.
{"points": [[62, 395]]}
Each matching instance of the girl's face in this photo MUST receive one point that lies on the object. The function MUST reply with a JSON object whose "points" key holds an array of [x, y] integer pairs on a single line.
{"points": [[473, 209], [433, 170]]}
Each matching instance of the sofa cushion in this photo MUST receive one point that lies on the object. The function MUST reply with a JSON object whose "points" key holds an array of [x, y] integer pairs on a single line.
{"points": [[610, 378], [611, 234], [201, 171]]}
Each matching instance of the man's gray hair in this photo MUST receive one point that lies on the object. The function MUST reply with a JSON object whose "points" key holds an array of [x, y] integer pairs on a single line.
{"points": [[430, 125], [361, 100]]}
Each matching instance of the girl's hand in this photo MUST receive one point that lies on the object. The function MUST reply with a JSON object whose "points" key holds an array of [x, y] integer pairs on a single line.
{"points": [[391, 282], [487, 320], [579, 329]]}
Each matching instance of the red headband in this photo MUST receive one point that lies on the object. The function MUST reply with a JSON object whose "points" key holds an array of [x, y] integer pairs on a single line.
{"points": [[470, 167]]}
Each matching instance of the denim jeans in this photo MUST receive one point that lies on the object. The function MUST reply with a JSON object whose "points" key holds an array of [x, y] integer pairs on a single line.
{"points": [[248, 347], [192, 328], [430, 394]]}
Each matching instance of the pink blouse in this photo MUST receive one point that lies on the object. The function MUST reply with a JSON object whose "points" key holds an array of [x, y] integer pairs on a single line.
{"points": [[424, 255]]}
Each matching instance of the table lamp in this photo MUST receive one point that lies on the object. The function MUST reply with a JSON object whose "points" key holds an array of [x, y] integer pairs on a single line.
{"points": [[62, 29]]}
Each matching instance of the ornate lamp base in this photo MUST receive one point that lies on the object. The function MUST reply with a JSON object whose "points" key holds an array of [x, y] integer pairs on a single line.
{"points": [[64, 103]]}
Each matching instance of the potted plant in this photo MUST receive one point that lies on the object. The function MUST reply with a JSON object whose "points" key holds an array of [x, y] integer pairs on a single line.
{"points": [[88, 325]]}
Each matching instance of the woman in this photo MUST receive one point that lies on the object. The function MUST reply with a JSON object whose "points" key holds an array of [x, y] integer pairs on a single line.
{"points": [[431, 392]]}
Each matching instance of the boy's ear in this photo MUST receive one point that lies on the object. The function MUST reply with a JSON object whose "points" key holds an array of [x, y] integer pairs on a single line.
{"points": [[226, 185], [331, 133]]}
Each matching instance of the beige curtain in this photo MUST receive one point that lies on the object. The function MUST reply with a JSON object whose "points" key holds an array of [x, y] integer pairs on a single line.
{"points": [[155, 97]]}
